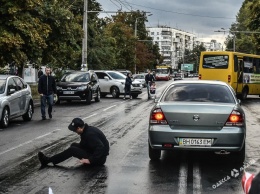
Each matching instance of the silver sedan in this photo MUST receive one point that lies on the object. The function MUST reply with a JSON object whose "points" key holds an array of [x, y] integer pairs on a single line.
{"points": [[198, 115], [15, 99]]}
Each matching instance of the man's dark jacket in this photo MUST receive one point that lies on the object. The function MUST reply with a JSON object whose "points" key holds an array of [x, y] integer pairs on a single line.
{"points": [[95, 143], [149, 77], [47, 85]]}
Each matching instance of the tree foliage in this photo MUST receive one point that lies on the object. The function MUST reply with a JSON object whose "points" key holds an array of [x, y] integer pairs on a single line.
{"points": [[50, 32], [242, 31]]}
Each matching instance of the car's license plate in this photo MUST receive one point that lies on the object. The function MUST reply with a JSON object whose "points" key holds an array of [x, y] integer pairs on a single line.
{"points": [[68, 92], [194, 142]]}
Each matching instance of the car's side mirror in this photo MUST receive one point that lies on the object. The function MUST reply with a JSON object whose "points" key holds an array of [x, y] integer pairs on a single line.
{"points": [[11, 91], [106, 78]]}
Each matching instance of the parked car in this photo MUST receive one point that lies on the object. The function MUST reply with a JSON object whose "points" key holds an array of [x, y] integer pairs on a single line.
{"points": [[113, 82], [15, 99], [78, 85], [198, 115], [140, 78], [125, 72]]}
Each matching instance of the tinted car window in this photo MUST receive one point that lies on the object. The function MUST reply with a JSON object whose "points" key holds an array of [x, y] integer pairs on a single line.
{"points": [[215, 61], [2, 86], [115, 75], [199, 93], [76, 77], [101, 75]]}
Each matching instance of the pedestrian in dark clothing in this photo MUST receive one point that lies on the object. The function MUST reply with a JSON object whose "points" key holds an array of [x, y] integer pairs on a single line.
{"points": [[149, 78], [47, 89], [92, 149], [40, 73], [128, 83]]}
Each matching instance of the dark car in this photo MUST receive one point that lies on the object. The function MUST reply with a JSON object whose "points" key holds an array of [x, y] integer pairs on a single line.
{"points": [[78, 85]]}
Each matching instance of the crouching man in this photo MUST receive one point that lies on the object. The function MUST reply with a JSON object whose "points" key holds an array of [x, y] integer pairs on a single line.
{"points": [[93, 148]]}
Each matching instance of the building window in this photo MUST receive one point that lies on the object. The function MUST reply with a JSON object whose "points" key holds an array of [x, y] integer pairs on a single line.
{"points": [[157, 33], [152, 33]]}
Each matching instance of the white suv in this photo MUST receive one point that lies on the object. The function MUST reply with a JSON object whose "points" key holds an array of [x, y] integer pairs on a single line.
{"points": [[113, 82]]}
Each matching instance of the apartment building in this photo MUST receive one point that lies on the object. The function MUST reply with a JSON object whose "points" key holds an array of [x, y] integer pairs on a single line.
{"points": [[172, 43]]}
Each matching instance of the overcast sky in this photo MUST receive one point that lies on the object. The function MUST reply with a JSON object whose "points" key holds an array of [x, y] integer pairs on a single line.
{"points": [[200, 17]]}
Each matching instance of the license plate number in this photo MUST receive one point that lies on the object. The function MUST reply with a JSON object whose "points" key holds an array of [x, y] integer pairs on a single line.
{"points": [[195, 142], [68, 92]]}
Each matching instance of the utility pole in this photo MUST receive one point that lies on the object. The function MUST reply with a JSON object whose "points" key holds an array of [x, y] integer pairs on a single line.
{"points": [[234, 36], [136, 35], [85, 39]]}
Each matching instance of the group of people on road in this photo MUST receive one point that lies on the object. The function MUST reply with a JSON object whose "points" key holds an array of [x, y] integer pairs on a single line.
{"points": [[93, 147], [150, 84]]}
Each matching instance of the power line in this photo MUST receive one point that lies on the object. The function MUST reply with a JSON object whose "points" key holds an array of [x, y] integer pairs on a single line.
{"points": [[175, 12]]}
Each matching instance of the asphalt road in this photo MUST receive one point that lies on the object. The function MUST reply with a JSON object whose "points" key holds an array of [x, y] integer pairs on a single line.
{"points": [[128, 168]]}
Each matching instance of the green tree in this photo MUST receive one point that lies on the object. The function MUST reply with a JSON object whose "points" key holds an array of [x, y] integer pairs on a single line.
{"points": [[22, 35], [244, 42]]}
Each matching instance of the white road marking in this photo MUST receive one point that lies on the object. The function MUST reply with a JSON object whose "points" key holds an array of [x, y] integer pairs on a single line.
{"points": [[109, 108], [196, 178], [27, 142], [183, 176], [89, 116]]}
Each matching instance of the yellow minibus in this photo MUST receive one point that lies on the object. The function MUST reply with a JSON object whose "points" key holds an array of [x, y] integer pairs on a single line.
{"points": [[240, 70]]}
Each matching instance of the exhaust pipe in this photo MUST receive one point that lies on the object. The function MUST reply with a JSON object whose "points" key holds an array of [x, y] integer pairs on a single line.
{"points": [[222, 152]]}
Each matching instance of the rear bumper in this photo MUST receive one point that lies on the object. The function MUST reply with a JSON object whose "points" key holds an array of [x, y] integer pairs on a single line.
{"points": [[228, 138]]}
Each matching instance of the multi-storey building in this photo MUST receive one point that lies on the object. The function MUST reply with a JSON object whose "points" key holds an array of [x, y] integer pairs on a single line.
{"points": [[213, 45], [172, 43]]}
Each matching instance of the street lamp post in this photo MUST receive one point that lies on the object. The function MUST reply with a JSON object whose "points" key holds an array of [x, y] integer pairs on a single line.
{"points": [[234, 36], [136, 36]]}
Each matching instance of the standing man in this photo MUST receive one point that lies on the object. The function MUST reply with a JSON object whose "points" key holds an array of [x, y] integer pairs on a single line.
{"points": [[149, 78], [92, 149], [128, 83], [46, 89]]}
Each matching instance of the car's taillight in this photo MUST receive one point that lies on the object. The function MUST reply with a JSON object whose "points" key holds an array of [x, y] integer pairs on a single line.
{"points": [[235, 119], [199, 76], [157, 117]]}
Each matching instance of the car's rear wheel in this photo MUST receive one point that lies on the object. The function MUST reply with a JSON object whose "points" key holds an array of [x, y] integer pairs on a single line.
{"points": [[134, 95], [115, 92], [88, 98], [5, 118], [239, 157], [244, 93], [153, 153], [97, 99], [29, 113]]}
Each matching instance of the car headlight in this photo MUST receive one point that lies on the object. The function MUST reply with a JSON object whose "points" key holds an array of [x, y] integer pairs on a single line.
{"points": [[82, 88], [58, 88]]}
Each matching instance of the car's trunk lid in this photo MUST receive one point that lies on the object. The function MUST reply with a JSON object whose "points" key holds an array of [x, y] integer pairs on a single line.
{"points": [[193, 115]]}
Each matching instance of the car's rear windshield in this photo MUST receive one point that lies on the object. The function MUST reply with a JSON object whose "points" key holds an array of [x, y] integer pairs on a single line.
{"points": [[199, 93], [2, 85], [76, 77], [117, 75], [215, 61]]}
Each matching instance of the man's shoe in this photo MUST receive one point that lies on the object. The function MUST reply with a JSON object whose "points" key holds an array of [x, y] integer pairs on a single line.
{"points": [[43, 118], [50, 116], [43, 159]]}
